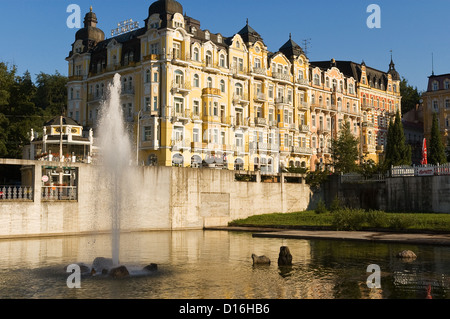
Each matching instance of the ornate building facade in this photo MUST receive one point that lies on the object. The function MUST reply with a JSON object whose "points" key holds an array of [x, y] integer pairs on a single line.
{"points": [[436, 100], [192, 97]]}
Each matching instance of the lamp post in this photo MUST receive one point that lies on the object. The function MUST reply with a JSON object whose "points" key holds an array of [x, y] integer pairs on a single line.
{"points": [[138, 137]]}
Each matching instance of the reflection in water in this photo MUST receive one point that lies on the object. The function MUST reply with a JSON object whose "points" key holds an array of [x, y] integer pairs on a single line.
{"points": [[218, 265]]}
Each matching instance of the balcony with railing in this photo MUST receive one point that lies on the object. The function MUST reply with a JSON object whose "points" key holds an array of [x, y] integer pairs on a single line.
{"points": [[211, 91], [259, 72], [181, 87], [303, 82], [241, 98], [303, 128], [260, 97], [59, 193], [127, 91], [367, 148], [210, 66], [239, 72], [323, 130], [16, 193], [180, 144], [260, 121], [96, 97], [281, 76], [301, 150], [180, 115], [303, 106], [283, 100], [178, 58]]}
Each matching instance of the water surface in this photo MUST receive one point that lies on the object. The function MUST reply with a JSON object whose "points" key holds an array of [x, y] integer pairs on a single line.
{"points": [[218, 265]]}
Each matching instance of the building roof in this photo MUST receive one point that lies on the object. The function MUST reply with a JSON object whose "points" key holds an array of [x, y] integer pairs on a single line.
{"points": [[291, 49], [65, 121], [249, 35]]}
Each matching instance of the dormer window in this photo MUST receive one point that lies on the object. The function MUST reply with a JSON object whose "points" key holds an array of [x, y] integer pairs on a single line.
{"points": [[207, 35], [219, 38], [447, 84], [435, 86]]}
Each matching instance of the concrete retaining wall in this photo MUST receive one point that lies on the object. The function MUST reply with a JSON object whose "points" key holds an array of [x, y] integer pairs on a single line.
{"points": [[153, 198]]}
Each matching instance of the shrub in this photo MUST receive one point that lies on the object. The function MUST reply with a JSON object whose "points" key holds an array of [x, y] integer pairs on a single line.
{"points": [[377, 219], [401, 222], [348, 219], [335, 204], [321, 208]]}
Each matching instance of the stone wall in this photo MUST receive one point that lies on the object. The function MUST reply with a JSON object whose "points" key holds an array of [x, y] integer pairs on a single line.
{"points": [[152, 198]]}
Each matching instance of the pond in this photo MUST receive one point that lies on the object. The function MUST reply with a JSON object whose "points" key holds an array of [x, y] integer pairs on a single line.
{"points": [[218, 265]]}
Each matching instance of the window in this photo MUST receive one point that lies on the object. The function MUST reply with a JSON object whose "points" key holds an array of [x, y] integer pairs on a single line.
{"points": [[435, 106], [447, 84], [271, 91], [196, 54], [154, 48], [222, 86], [257, 63], [239, 89], [155, 103], [155, 77], [447, 103], [177, 50], [209, 58], [313, 120], [147, 76], [148, 104], [195, 135], [314, 142], [222, 60], [207, 35], [179, 78], [435, 86], [178, 105], [316, 79], [148, 133], [196, 107], [196, 81], [209, 82]]}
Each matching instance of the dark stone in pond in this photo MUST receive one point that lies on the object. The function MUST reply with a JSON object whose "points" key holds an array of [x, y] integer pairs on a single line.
{"points": [[285, 257], [151, 267], [260, 260], [101, 263], [83, 268], [119, 272]]}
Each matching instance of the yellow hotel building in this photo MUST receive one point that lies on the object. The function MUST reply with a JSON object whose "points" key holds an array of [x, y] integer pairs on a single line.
{"points": [[191, 97]]}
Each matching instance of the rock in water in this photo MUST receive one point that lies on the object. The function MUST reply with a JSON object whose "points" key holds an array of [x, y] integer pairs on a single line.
{"points": [[101, 263], [151, 267], [407, 254], [260, 260], [119, 272], [285, 257]]}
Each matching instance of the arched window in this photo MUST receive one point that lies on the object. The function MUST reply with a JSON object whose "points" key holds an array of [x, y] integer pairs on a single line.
{"points": [[208, 58], [239, 89], [196, 55], [196, 81], [222, 60], [222, 86], [179, 77], [316, 79], [209, 82]]}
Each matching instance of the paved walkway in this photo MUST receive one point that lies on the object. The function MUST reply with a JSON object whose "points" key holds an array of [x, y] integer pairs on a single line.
{"points": [[387, 237]]}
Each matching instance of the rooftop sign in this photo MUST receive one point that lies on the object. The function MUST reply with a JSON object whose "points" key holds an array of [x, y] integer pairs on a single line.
{"points": [[124, 27]]}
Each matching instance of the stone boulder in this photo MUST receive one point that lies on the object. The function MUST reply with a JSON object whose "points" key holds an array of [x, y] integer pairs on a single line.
{"points": [[83, 268], [119, 272], [151, 267], [406, 254], [101, 263], [285, 257], [260, 260]]}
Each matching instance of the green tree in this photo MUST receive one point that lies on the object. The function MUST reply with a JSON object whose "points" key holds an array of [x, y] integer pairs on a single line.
{"points": [[51, 93], [344, 151], [410, 96], [397, 151], [436, 149]]}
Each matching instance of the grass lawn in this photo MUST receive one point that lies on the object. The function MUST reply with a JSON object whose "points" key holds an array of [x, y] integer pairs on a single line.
{"points": [[349, 219]]}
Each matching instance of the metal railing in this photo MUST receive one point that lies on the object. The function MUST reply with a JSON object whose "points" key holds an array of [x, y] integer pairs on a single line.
{"points": [[59, 193], [420, 170], [358, 178]]}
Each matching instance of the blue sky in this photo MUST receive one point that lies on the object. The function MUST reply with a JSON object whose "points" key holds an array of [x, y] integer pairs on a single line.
{"points": [[36, 38]]}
